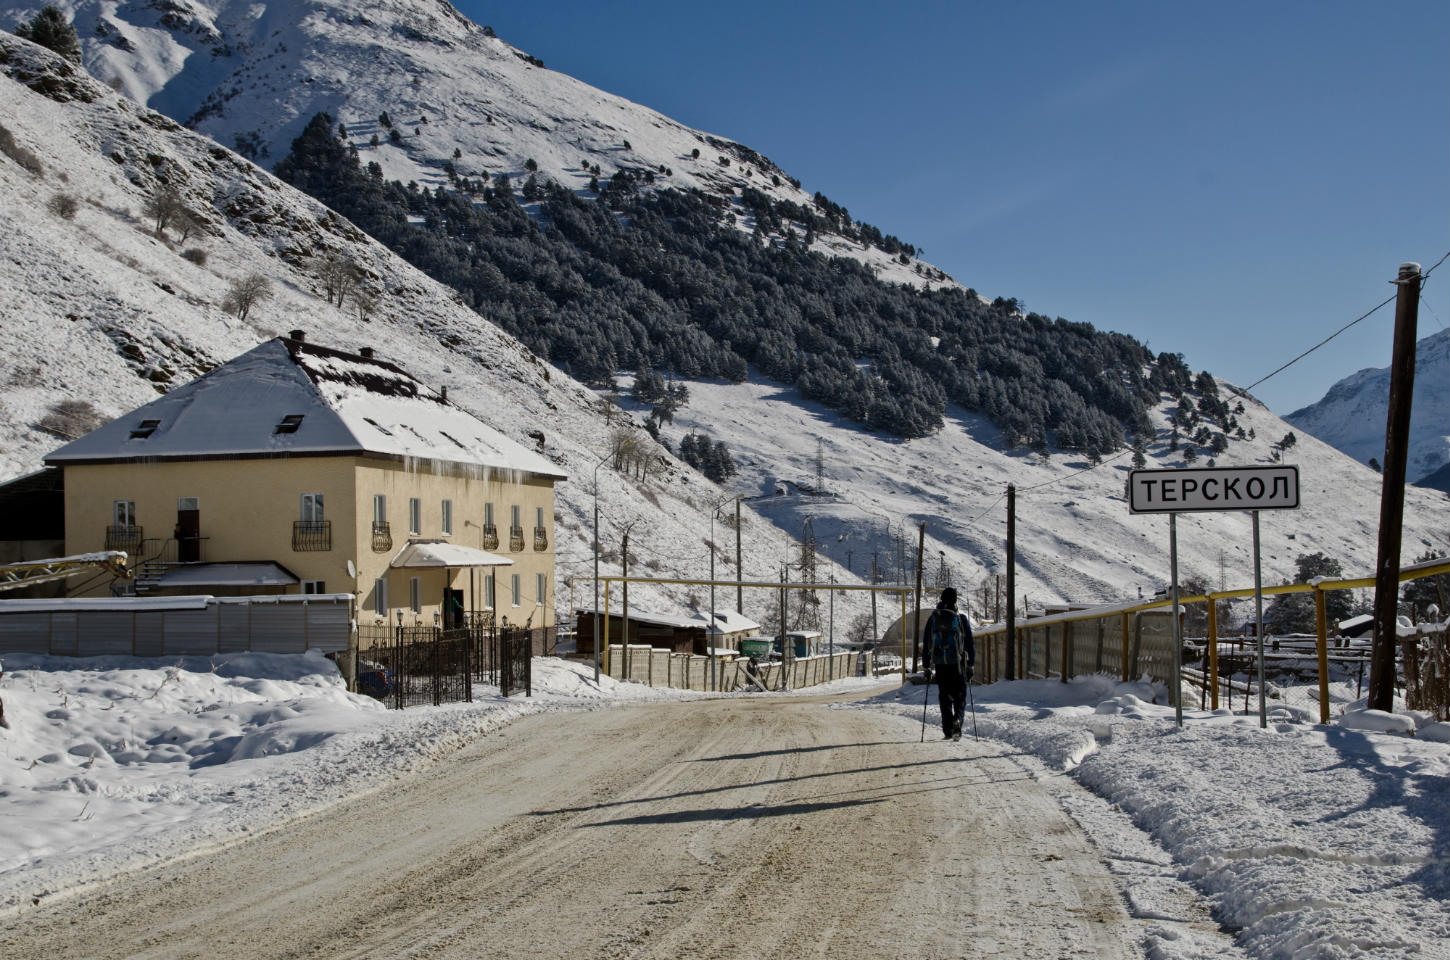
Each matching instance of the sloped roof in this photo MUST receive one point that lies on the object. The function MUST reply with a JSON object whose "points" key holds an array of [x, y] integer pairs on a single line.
{"points": [[346, 404], [441, 553]]}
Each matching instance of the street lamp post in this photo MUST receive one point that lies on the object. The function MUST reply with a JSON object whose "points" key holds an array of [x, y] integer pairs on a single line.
{"points": [[709, 648]]}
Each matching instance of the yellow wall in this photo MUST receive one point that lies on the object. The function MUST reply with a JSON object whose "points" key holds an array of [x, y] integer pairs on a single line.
{"points": [[469, 492], [247, 508]]}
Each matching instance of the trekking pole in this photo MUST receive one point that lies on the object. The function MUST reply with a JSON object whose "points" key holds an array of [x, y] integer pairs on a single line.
{"points": [[924, 698], [973, 701]]}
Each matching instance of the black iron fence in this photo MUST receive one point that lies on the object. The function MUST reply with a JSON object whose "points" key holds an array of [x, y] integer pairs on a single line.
{"points": [[412, 665]]}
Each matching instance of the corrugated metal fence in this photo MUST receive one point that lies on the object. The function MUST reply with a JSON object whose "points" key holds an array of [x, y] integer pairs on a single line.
{"points": [[176, 626]]}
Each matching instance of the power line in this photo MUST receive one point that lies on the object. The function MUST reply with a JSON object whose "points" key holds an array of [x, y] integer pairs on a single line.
{"points": [[1424, 276]]}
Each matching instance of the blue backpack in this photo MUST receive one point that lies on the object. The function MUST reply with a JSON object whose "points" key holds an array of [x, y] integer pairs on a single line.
{"points": [[945, 640]]}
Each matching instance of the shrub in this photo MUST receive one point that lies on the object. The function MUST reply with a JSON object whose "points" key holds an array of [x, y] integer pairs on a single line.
{"points": [[63, 205], [195, 254], [19, 154], [71, 419], [245, 293]]}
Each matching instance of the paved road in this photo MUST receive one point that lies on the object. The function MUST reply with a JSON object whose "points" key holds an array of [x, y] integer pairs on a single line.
{"points": [[745, 828]]}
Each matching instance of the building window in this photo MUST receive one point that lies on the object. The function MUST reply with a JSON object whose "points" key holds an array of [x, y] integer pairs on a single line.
{"points": [[289, 423], [488, 591], [415, 595], [123, 513], [490, 532], [145, 429], [516, 530], [314, 586], [123, 533], [415, 515], [312, 532], [382, 533], [380, 597], [448, 518], [541, 584], [541, 534], [516, 590]]}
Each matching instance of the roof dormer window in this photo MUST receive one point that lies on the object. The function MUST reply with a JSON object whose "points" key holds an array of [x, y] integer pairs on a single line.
{"points": [[145, 430], [289, 423], [379, 427]]}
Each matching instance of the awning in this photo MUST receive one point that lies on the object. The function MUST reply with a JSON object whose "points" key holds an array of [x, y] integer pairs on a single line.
{"points": [[260, 574], [441, 553]]}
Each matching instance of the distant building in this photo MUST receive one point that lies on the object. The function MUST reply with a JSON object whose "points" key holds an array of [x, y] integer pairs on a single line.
{"points": [[296, 468]]}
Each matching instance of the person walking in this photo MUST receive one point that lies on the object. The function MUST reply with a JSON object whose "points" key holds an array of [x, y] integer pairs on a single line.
{"points": [[951, 655]]}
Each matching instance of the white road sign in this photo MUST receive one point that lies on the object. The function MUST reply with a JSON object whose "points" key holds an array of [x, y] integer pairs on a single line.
{"points": [[1194, 489]]}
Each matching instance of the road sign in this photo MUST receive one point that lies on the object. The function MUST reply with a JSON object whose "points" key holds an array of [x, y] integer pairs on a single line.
{"points": [[1197, 489]]}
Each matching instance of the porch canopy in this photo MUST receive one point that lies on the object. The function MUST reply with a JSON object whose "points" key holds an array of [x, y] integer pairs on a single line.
{"points": [[441, 553]]}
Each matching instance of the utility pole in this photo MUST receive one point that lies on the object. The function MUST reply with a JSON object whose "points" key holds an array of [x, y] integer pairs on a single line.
{"points": [[1011, 634], [916, 614], [739, 570], [1392, 493]]}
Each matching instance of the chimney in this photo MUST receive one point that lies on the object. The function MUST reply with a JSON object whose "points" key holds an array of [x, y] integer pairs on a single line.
{"points": [[298, 335], [444, 392], [365, 352]]}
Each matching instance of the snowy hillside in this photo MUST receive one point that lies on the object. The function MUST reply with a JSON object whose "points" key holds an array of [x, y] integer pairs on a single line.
{"points": [[250, 75], [98, 309], [1352, 415]]}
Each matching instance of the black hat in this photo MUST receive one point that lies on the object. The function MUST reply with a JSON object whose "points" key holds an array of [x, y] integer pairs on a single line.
{"points": [[949, 597]]}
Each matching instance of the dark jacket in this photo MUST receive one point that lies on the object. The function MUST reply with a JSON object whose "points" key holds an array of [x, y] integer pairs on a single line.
{"points": [[966, 652]]}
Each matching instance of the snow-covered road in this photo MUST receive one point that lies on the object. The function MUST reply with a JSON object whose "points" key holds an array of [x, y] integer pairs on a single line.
{"points": [[726, 828]]}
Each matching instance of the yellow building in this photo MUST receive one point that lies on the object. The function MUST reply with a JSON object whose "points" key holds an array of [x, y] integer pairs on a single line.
{"points": [[296, 468]]}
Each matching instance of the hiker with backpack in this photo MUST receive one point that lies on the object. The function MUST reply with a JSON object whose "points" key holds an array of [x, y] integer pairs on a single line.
{"points": [[950, 655]]}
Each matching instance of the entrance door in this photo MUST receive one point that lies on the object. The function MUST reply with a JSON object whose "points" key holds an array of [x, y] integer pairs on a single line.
{"points": [[188, 529], [452, 609]]}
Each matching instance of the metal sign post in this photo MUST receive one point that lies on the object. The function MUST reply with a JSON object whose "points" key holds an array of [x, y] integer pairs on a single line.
{"points": [[1199, 490]]}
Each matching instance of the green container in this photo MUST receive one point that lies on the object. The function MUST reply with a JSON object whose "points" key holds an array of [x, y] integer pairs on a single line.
{"points": [[757, 647]]}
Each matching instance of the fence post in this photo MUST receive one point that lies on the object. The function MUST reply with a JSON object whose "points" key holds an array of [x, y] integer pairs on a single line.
{"points": [[1124, 662], [1321, 630], [1066, 642], [1212, 652]]}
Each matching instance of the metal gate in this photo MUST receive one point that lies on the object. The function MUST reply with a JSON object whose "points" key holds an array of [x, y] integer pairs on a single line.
{"points": [[416, 665]]}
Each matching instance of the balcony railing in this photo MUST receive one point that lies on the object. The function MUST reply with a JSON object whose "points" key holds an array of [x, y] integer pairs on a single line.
{"points": [[311, 535], [490, 537], [124, 538], [382, 536], [516, 538], [541, 538]]}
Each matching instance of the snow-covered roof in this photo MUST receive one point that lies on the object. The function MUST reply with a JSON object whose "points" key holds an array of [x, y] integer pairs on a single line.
{"points": [[258, 574], [441, 553], [726, 621], [287, 397]]}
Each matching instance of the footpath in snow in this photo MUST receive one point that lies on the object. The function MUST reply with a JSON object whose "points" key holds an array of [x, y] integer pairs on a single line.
{"points": [[1306, 841]]}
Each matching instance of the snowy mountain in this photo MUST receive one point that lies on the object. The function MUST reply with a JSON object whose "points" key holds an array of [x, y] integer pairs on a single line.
{"points": [[1351, 416], [250, 75], [100, 309]]}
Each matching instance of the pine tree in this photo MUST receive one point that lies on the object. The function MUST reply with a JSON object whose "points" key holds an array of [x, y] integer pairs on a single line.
{"points": [[51, 29]]}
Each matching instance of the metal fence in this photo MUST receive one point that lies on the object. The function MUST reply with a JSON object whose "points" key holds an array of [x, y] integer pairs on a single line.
{"points": [[1313, 676], [414, 665]]}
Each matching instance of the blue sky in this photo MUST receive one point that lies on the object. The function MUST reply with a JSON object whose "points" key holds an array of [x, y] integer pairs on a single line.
{"points": [[1229, 181]]}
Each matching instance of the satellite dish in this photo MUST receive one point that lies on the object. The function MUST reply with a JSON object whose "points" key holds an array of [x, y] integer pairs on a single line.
{"points": [[351, 569]]}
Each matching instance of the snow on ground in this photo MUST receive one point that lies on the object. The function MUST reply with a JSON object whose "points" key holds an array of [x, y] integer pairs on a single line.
{"points": [[112, 762], [1305, 841], [1308, 841]]}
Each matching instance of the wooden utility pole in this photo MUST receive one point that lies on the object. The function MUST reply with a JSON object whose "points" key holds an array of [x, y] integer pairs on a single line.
{"points": [[739, 570], [916, 615], [1392, 493], [1011, 634]]}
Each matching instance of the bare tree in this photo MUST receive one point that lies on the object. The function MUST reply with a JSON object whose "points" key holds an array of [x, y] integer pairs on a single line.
{"points": [[364, 303], [245, 293], [339, 275], [163, 207]]}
